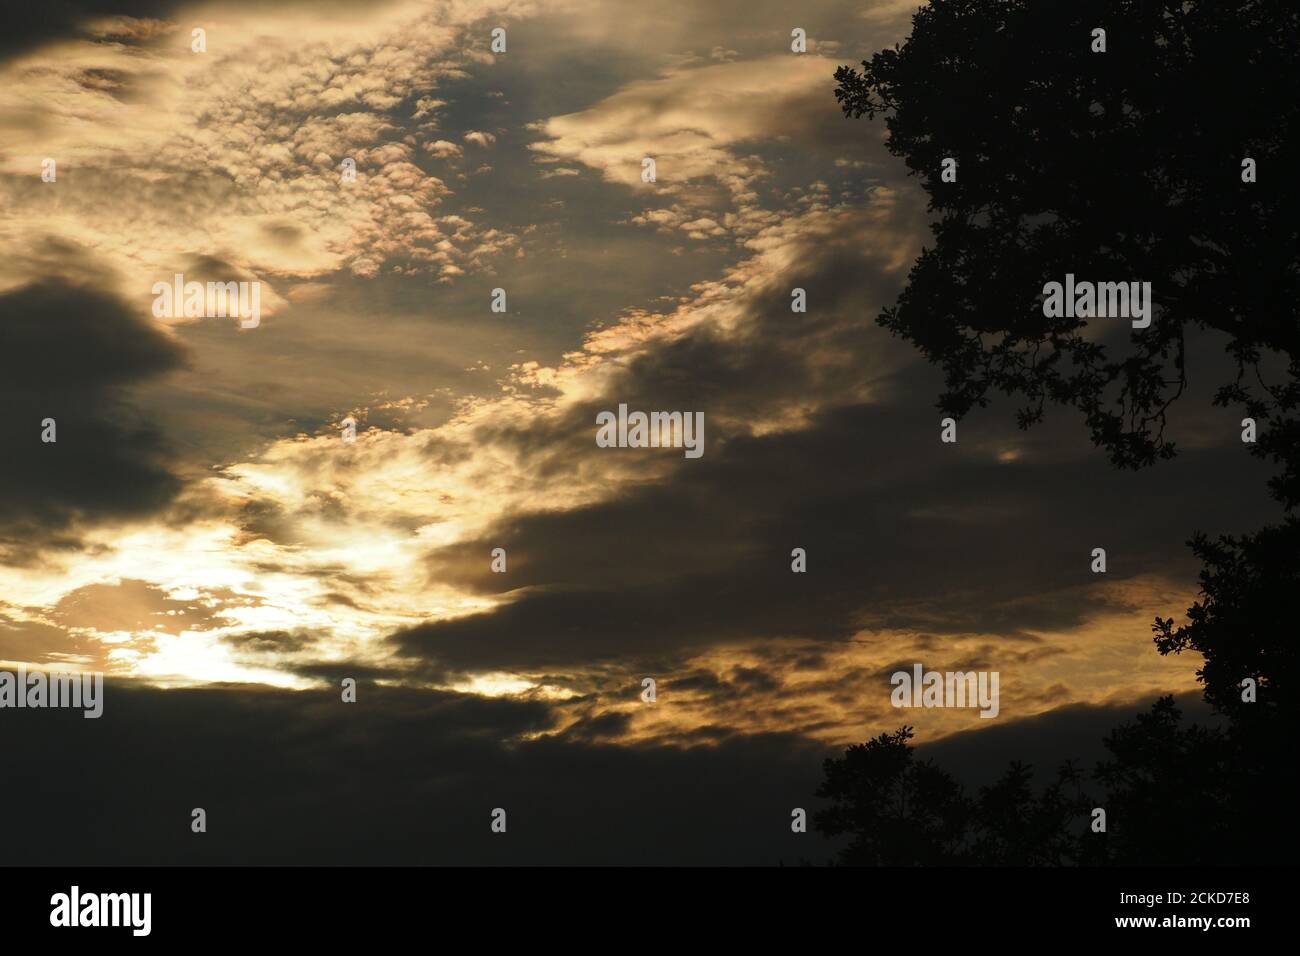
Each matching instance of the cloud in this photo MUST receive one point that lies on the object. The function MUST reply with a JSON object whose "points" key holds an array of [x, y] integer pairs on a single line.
{"points": [[329, 790], [77, 352], [442, 148], [698, 124], [217, 154]]}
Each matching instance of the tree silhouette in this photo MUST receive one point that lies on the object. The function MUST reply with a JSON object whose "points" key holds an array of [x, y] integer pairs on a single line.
{"points": [[1122, 166], [1126, 165], [900, 811], [1172, 794], [1015, 825], [1248, 590]]}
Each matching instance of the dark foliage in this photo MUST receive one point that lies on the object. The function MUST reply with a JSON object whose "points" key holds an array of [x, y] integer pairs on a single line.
{"points": [[1122, 166]]}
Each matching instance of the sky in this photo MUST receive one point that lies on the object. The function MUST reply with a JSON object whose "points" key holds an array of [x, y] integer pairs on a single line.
{"points": [[202, 533]]}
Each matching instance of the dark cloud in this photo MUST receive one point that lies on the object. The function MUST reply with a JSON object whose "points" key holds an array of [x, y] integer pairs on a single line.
{"points": [[992, 534], [611, 725], [270, 642], [73, 352], [405, 777], [30, 25], [399, 777], [1073, 732], [965, 544]]}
